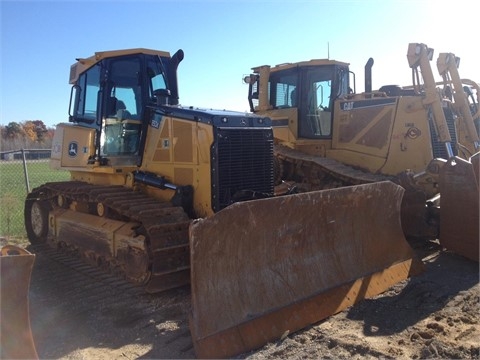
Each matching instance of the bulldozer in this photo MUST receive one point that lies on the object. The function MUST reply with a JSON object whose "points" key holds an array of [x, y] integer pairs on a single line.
{"points": [[167, 195], [424, 137]]}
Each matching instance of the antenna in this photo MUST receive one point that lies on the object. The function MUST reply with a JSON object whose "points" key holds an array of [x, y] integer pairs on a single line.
{"points": [[328, 50]]}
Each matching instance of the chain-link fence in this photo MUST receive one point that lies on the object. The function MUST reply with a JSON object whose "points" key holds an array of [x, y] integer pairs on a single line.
{"points": [[20, 172]]}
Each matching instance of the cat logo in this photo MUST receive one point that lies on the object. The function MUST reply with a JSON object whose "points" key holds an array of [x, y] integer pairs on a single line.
{"points": [[413, 133], [72, 149], [347, 106]]}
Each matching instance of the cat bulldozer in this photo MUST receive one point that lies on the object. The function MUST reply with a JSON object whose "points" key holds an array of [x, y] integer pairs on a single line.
{"points": [[167, 195], [424, 137]]}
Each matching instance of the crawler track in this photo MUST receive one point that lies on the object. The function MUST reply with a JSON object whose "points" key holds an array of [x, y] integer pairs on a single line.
{"points": [[72, 273], [310, 173], [160, 262], [318, 173]]}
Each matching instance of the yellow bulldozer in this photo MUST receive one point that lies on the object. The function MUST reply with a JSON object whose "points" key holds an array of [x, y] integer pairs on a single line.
{"points": [[167, 195], [424, 137]]}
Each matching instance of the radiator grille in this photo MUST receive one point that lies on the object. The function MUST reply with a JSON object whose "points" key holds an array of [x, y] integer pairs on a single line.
{"points": [[242, 165]]}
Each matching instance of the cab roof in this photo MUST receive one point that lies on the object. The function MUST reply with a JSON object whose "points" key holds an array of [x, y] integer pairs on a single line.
{"points": [[313, 62], [83, 64]]}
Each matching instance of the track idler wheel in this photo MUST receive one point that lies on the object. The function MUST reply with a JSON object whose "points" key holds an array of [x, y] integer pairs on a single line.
{"points": [[136, 266], [36, 220]]}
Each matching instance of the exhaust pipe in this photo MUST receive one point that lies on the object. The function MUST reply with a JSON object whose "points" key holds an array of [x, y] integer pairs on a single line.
{"points": [[173, 79], [368, 75]]}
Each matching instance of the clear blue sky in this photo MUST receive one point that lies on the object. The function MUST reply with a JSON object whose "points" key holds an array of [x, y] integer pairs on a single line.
{"points": [[222, 41]]}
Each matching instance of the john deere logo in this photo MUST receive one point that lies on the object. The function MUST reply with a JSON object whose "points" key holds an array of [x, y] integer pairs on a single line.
{"points": [[72, 149]]}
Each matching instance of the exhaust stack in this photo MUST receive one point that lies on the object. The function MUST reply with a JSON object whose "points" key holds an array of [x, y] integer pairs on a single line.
{"points": [[368, 75]]}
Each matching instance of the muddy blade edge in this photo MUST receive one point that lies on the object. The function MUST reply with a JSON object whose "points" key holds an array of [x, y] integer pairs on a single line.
{"points": [[459, 206], [16, 340], [262, 268]]}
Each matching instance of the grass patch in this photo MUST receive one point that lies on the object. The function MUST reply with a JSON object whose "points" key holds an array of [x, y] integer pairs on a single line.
{"points": [[13, 191]]}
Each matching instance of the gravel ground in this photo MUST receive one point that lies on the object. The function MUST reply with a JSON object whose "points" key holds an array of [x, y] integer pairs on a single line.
{"points": [[89, 315]]}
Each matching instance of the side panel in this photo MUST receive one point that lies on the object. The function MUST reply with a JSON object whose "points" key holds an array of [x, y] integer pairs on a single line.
{"points": [[364, 126], [284, 123], [411, 142], [261, 268], [385, 135], [72, 146], [179, 150]]}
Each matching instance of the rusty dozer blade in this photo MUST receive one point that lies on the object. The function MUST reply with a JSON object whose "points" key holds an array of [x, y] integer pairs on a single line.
{"points": [[16, 338], [260, 269], [459, 206]]}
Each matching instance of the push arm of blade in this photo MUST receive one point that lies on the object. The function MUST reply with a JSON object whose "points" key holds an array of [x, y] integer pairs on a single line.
{"points": [[153, 180], [419, 56], [447, 65]]}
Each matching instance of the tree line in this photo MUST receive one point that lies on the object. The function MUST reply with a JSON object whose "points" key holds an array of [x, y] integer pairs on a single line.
{"points": [[29, 134]]}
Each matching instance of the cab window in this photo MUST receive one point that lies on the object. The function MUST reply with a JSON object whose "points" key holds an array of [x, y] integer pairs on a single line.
{"points": [[123, 107], [316, 118], [282, 90], [86, 94], [124, 89], [156, 77]]}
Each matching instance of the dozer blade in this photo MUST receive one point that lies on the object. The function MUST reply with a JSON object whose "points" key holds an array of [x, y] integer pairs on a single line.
{"points": [[262, 269], [459, 206], [16, 336]]}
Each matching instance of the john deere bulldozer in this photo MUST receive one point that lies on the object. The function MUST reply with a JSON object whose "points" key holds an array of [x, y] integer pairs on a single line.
{"points": [[167, 195], [424, 137]]}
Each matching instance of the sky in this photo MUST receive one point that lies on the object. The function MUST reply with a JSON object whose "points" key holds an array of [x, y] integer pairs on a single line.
{"points": [[222, 41]]}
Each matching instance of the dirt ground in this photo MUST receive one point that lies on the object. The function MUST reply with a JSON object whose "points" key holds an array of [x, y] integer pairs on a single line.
{"points": [[81, 313]]}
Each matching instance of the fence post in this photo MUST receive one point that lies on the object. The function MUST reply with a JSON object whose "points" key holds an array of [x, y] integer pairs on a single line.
{"points": [[25, 171]]}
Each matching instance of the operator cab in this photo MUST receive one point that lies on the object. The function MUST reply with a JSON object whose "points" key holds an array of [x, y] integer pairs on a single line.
{"points": [[111, 92], [311, 87]]}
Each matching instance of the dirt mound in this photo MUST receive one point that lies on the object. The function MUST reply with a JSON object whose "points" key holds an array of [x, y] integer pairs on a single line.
{"points": [[434, 315]]}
